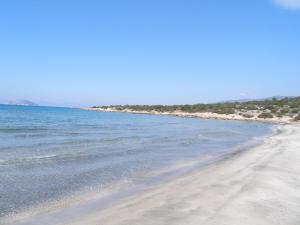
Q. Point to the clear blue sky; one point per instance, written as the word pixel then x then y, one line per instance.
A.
pixel 83 52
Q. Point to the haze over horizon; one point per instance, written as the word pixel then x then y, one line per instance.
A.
pixel 83 53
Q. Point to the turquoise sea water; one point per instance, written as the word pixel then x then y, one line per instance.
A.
pixel 47 153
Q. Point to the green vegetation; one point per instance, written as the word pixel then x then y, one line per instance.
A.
pixel 295 110
pixel 265 108
pixel 284 111
pixel 265 115
pixel 246 115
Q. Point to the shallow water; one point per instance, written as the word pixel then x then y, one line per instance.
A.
pixel 47 153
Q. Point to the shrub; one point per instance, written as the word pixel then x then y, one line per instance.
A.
pixel 265 115
pixel 274 110
pixel 295 110
pixel 247 115
pixel 284 111
pixel 224 111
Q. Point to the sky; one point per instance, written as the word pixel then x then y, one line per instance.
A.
pixel 84 52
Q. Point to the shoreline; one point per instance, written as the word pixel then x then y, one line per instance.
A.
pixel 256 186
pixel 259 186
pixel 120 190
pixel 200 115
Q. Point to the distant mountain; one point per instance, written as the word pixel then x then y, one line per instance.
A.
pixel 22 102
pixel 260 99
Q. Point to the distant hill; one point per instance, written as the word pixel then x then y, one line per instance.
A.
pixel 260 99
pixel 22 102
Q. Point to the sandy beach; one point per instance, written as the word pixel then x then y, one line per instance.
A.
pixel 258 186
pixel 201 115
pixel 261 186
pixel 150 112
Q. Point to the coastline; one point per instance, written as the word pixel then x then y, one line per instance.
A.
pixel 260 186
pixel 256 186
pixel 201 115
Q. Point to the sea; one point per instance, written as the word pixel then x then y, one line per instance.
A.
pixel 48 154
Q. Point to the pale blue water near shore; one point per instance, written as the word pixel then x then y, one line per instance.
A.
pixel 48 153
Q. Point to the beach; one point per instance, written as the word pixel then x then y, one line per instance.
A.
pixel 150 112
pixel 201 115
pixel 260 186
pixel 257 186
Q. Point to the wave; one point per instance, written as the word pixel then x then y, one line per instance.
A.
pixel 22 130
pixel 219 134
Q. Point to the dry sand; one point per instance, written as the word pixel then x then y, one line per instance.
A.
pixel 260 186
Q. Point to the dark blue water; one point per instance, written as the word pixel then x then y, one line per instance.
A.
pixel 47 153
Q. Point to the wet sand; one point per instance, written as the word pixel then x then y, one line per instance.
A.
pixel 259 186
